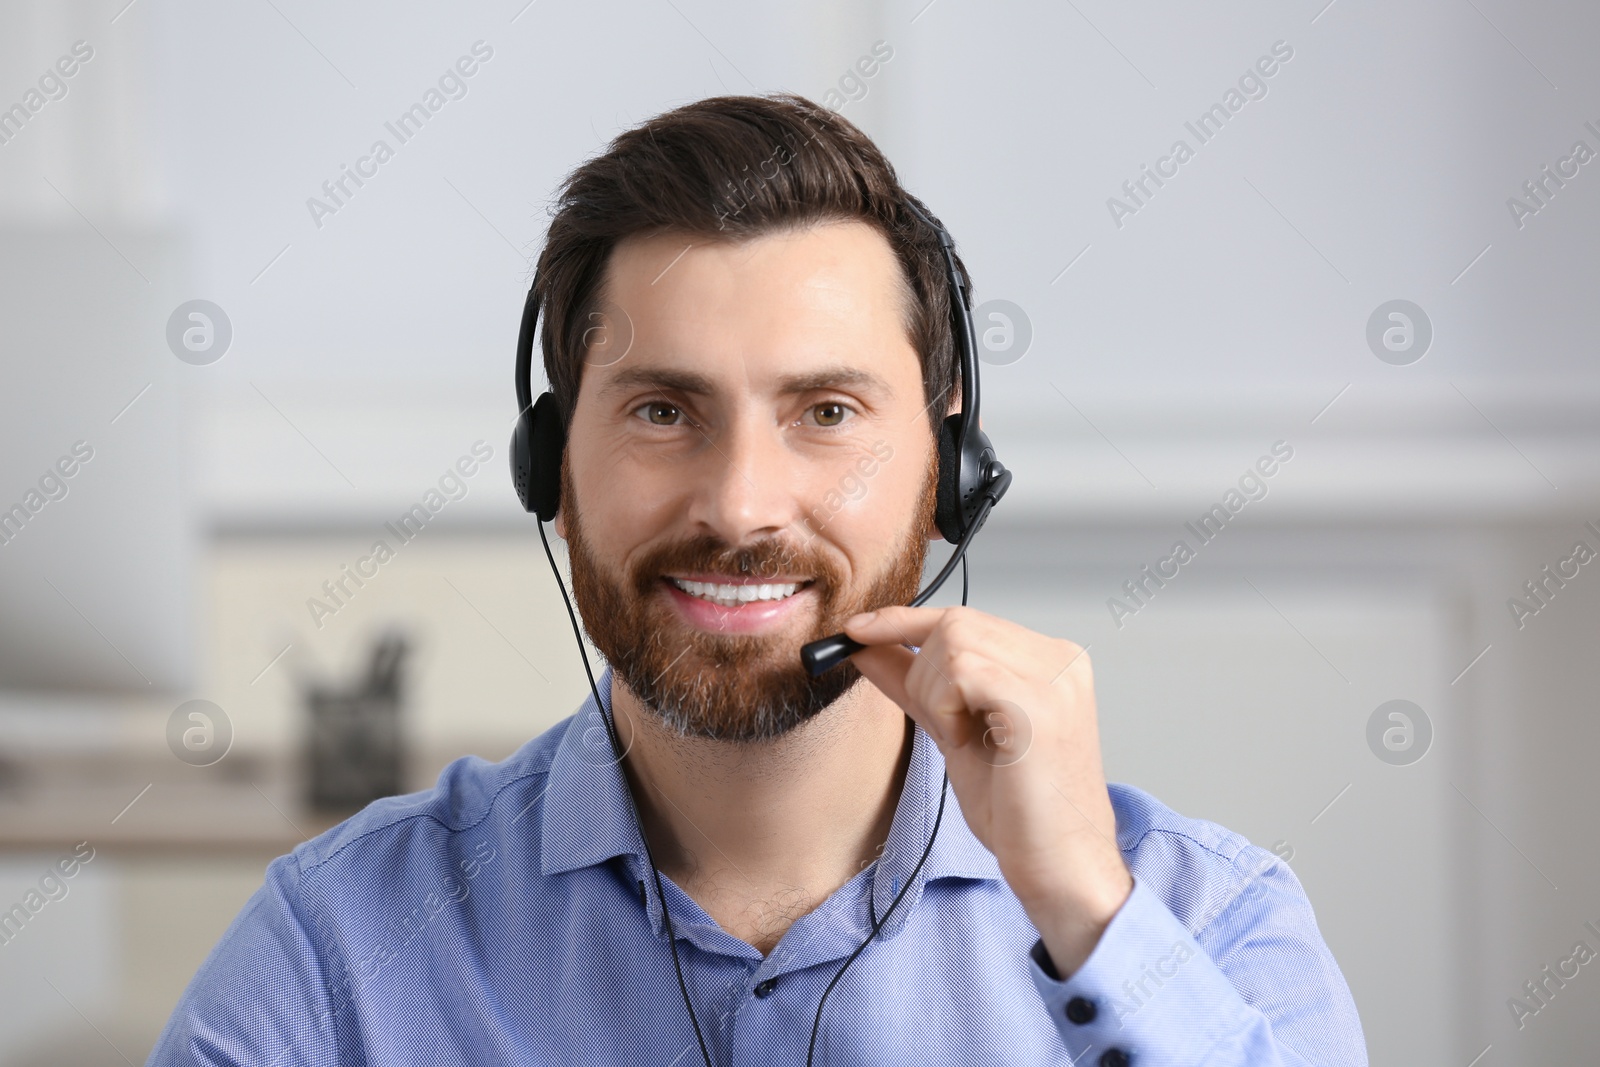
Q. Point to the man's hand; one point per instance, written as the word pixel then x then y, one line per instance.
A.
pixel 1013 713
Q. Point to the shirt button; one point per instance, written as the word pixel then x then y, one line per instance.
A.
pixel 764 989
pixel 1113 1057
pixel 1081 1011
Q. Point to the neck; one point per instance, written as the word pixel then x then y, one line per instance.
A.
pixel 790 819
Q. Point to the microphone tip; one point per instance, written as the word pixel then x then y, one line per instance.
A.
pixel 823 655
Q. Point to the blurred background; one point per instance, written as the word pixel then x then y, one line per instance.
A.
pixel 231 369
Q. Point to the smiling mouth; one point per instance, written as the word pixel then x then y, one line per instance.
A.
pixel 734 594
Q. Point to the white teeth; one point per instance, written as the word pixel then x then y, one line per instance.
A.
pixel 733 595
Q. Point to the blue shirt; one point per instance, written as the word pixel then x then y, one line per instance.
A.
pixel 508 916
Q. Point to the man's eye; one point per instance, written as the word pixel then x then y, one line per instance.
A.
pixel 831 413
pixel 660 413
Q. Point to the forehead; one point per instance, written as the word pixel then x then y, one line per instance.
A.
pixel 826 293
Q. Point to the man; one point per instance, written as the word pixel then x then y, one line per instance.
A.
pixel 748 334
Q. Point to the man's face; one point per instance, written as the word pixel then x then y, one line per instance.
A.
pixel 749 463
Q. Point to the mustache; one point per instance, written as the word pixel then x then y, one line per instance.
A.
pixel 768 559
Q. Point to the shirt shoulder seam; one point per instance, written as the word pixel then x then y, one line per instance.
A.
pixel 1242 879
pixel 488 809
pixel 1228 858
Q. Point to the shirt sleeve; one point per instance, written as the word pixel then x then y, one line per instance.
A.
pixel 261 998
pixel 1256 984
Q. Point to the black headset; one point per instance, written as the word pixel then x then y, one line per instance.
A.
pixel 971 481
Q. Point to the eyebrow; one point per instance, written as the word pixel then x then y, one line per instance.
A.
pixel 683 381
pixel 832 378
pixel 692 382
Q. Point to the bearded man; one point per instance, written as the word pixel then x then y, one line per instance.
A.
pixel 748 336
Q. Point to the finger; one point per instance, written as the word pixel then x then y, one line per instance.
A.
pixel 958 690
pixel 894 625
pixel 887 667
pixel 941 700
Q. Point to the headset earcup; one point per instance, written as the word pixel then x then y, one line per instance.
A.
pixel 947 505
pixel 548 440
pixel 537 444
pixel 522 459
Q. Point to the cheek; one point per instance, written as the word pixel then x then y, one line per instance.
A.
pixel 872 518
pixel 622 504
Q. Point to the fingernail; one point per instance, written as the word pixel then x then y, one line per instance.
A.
pixel 864 618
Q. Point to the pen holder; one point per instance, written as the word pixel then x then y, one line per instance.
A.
pixel 354 748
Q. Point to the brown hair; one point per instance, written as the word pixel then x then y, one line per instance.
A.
pixel 736 167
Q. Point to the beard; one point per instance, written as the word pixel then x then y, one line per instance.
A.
pixel 739 688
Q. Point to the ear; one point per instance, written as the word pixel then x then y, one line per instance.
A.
pixel 560 522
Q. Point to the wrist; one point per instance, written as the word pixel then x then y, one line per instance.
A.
pixel 1071 922
pixel 1094 889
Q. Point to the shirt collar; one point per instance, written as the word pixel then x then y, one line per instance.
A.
pixel 587 818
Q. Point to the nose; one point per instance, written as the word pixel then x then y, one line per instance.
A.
pixel 745 490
